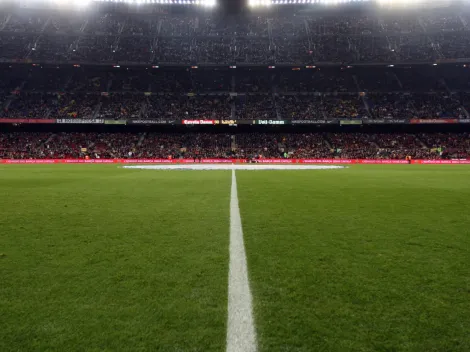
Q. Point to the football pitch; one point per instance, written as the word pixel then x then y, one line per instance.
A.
pixel 367 258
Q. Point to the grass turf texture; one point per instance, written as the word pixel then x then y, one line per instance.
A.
pixel 106 259
pixel 370 258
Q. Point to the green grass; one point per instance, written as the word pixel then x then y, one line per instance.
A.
pixel 106 259
pixel 369 258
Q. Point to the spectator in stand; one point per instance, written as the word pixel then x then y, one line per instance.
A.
pixel 302 107
pixel 252 107
pixel 74 106
pixel 27 145
pixel 189 38
pixel 27 105
pixel 17 145
pixel 120 106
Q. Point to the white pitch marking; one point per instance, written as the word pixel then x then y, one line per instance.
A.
pixel 241 335
pixel 234 167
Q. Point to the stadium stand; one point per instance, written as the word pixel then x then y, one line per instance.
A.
pixel 111 66
pixel 27 145
pixel 329 93
pixel 208 38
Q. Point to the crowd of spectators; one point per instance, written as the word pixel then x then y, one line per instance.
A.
pixel 439 105
pixel 70 145
pixel 353 145
pixel 209 38
pixel 180 107
pixel 255 145
pixel 378 80
pixel 117 106
pixel 29 105
pixel 252 107
pixel 447 145
pixel 416 105
pixel 78 105
pixel 291 50
pixel 319 107
pixel 390 106
pixel 344 106
pixel 115 145
pixel 254 81
pixel 400 106
pixel 380 146
pixel 317 80
pixel 401 145
pixel 121 106
pixel 185 145
pixel 302 107
pixel 308 145
pixel 25 145
pixel 246 94
pixel 211 80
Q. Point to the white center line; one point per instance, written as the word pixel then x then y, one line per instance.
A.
pixel 241 336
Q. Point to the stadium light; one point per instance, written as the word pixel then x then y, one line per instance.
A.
pixel 78 4
pixel 259 3
pixel 385 3
pixel 402 3
pixel 206 3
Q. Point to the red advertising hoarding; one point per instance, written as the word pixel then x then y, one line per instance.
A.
pixel 27 121
pixel 442 162
pixel 199 122
pixel 432 121
pixel 229 161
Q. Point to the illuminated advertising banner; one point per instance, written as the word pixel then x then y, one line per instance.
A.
pixel 219 122
pixel 385 122
pixel 115 122
pixel 199 122
pixel 442 162
pixel 237 122
pixel 327 161
pixel 350 122
pixel 226 122
pixel 272 122
pixel 81 121
pixel 380 161
pixel 151 122
pixel 231 161
pixel 146 161
pixel 432 121
pixel 203 161
pixel 27 121
pixel 30 161
pixel 86 161
pixel 276 161
pixel 314 122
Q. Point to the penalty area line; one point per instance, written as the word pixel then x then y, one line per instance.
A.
pixel 241 336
